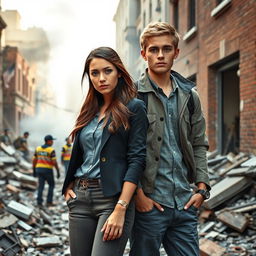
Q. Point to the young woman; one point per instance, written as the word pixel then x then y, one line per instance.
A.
pixel 108 158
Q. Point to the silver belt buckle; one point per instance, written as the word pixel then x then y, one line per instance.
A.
pixel 84 183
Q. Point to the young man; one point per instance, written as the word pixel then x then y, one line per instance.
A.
pixel 43 162
pixel 166 208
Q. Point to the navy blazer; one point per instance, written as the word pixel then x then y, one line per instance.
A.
pixel 122 154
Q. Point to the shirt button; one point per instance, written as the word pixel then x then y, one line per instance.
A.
pixel 161 119
pixel 103 159
pixel 157 159
pixel 159 138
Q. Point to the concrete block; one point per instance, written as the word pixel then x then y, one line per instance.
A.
pixel 24 225
pixel 19 210
pixel 25 178
pixel 50 241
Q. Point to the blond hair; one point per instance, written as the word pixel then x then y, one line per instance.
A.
pixel 158 29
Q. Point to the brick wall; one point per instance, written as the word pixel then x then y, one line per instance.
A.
pixel 232 33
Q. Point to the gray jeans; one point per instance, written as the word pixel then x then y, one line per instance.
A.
pixel 87 215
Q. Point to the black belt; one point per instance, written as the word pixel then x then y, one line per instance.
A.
pixel 87 183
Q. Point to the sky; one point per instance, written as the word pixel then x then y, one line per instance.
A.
pixel 74 28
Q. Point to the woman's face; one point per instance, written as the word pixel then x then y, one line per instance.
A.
pixel 104 76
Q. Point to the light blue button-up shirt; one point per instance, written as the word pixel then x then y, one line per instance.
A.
pixel 172 188
pixel 90 141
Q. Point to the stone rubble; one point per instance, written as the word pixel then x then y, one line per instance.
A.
pixel 227 221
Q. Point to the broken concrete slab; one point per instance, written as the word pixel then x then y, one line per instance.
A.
pixel 24 225
pixel 225 189
pixel 250 162
pixel 50 241
pixel 45 217
pixel 19 210
pixel 25 178
pixel 4 158
pixel 7 149
pixel 7 219
pixel 25 164
pixel 238 171
pixel 233 220
pixel 210 248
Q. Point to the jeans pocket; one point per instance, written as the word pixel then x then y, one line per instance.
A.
pixel 70 200
pixel 147 212
pixel 193 208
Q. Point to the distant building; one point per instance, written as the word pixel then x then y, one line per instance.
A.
pixel 18 89
pixel 131 17
pixel 217 52
pixel 32 52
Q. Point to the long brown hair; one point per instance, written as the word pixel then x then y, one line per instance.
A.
pixel 124 92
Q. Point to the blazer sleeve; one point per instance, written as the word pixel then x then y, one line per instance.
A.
pixel 136 151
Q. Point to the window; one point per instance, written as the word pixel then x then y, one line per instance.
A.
pixel 176 14
pixel 192 14
pixel 150 10
pixel 158 7
pixel 144 19
pixel 138 8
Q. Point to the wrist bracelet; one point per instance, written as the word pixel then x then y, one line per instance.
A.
pixel 123 203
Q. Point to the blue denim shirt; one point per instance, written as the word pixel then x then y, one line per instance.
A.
pixel 172 188
pixel 90 141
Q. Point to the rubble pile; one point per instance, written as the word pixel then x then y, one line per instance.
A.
pixel 227 221
pixel 26 229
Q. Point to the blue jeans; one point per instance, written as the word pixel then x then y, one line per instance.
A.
pixel 66 163
pixel 176 230
pixel 87 214
pixel 42 177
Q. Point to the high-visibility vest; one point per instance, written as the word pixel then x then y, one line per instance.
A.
pixel 44 157
pixel 66 152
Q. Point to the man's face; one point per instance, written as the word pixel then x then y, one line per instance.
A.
pixel 160 53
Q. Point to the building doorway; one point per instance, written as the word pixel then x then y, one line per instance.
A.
pixel 229 109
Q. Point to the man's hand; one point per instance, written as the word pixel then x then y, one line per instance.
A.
pixel 196 200
pixel 144 203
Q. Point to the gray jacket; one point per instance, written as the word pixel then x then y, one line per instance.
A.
pixel 194 143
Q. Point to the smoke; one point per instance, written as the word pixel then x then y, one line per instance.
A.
pixel 50 120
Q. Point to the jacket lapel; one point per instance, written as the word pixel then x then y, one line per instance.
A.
pixel 105 135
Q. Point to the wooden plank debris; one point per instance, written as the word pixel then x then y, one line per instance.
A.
pixel 233 220
pixel 210 248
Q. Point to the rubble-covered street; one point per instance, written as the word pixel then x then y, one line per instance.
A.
pixel 227 221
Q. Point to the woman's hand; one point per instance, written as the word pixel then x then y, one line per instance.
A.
pixel 69 193
pixel 113 227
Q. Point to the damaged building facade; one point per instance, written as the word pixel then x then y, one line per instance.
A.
pixel 217 52
pixel 25 53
